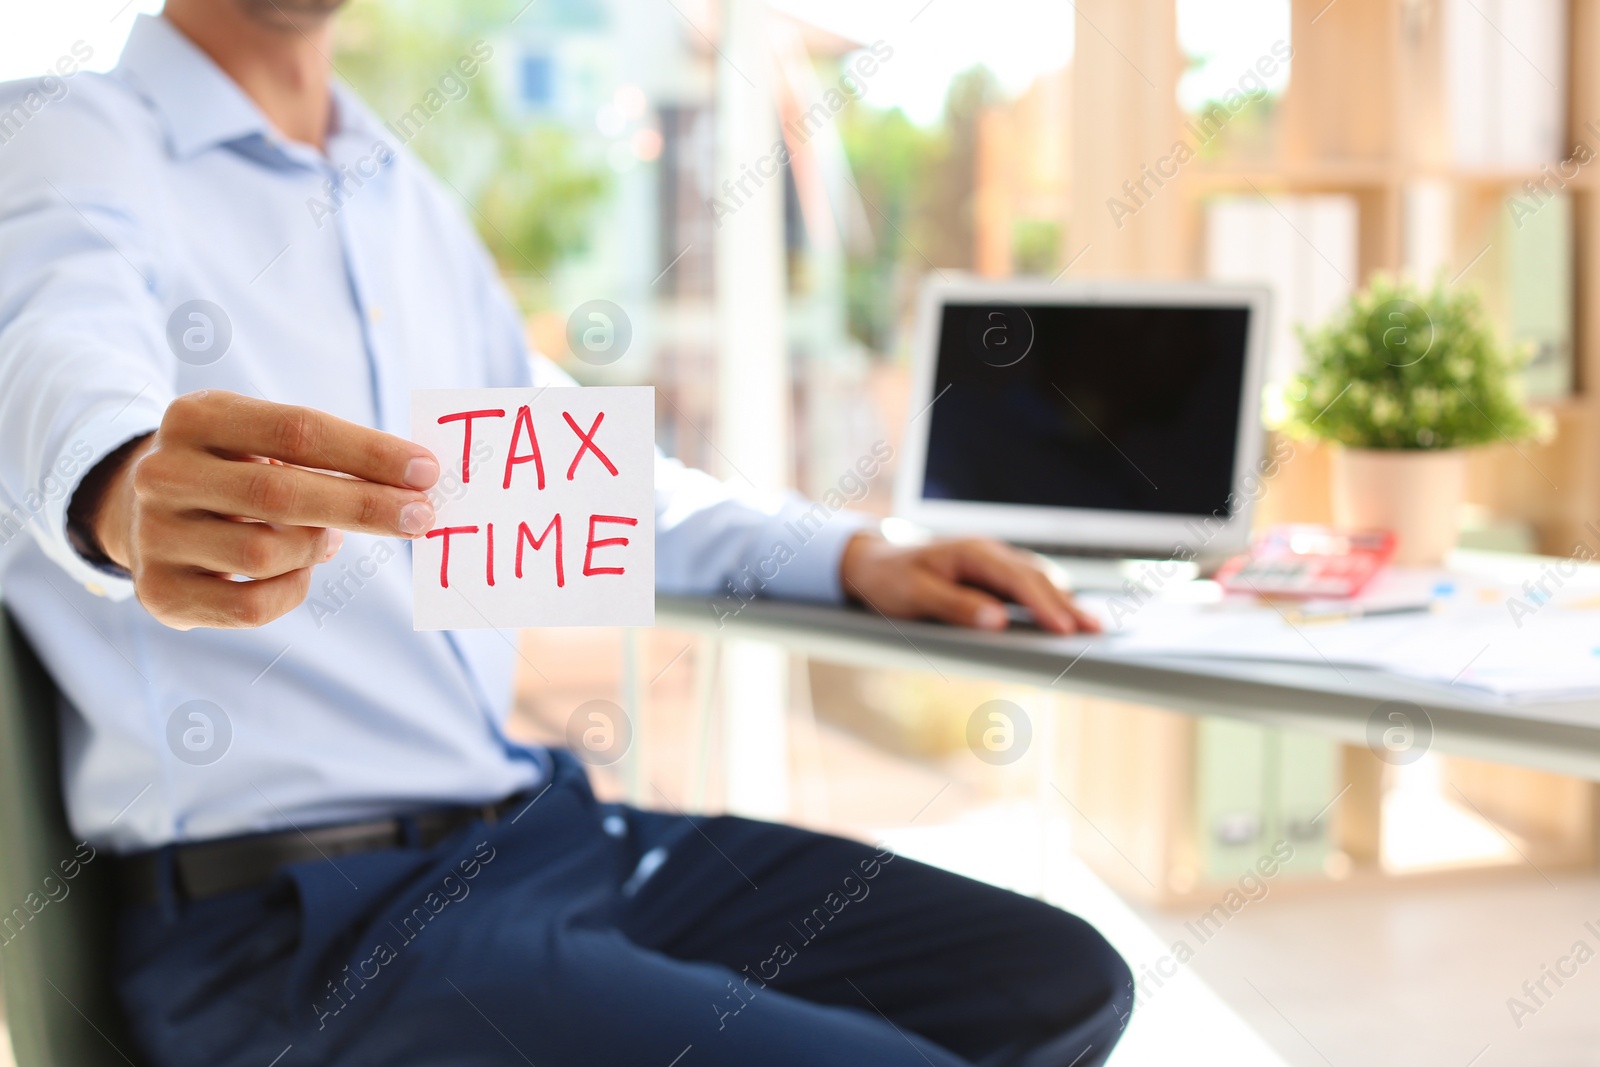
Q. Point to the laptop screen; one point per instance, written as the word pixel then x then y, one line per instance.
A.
pixel 1121 408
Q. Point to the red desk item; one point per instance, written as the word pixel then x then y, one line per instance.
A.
pixel 1309 561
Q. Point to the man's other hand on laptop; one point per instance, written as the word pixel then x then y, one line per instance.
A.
pixel 234 487
pixel 961 582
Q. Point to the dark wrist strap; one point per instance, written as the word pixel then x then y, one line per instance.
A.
pixel 84 508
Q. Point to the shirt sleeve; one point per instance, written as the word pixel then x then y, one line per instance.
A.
pixel 83 362
pixel 716 538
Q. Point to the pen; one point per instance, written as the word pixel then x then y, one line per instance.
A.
pixel 1351 614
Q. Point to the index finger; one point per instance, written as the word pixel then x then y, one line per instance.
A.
pixel 236 426
pixel 1017 576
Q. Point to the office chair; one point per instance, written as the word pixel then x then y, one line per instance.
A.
pixel 56 959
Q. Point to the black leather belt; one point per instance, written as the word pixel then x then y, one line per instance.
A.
pixel 229 865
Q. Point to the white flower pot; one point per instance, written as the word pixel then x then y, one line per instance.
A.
pixel 1415 493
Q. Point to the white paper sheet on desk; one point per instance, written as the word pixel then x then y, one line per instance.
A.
pixel 1255 632
pixel 1553 655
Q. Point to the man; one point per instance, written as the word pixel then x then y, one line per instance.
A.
pixel 330 850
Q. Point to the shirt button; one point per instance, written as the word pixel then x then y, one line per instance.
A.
pixel 95 588
pixel 375 313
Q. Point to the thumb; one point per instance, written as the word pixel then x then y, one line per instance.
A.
pixel 962 605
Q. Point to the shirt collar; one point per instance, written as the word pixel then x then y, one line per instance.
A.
pixel 200 105
pixel 352 117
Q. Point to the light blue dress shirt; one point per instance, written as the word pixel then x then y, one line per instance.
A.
pixel 122 198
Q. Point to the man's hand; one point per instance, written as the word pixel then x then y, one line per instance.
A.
pixel 222 490
pixel 953 581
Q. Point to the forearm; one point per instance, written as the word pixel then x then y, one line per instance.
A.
pixel 714 540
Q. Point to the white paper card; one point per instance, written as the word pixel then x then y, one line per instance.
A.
pixel 545 508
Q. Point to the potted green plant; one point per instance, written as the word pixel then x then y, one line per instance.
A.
pixel 1402 381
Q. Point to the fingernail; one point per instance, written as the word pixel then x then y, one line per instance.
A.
pixel 421 472
pixel 992 617
pixel 416 518
pixel 335 540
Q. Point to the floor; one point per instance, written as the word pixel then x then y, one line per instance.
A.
pixel 1419 972
pixel 1419 975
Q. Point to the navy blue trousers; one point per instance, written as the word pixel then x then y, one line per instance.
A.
pixel 577 934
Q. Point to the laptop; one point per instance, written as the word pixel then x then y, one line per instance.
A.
pixel 1098 423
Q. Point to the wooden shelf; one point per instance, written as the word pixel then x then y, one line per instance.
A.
pixel 1357 175
pixel 1327 175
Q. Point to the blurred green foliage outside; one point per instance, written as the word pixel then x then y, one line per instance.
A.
pixel 526 183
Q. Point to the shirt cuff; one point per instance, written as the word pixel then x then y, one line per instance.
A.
pixel 84 449
pixel 813 539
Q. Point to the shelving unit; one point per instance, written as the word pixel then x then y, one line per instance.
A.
pixel 1376 130
pixel 1365 115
